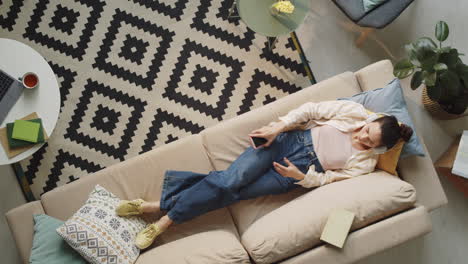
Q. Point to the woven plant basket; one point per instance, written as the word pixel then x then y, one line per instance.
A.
pixel 435 109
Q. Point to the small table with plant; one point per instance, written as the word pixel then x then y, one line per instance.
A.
pixel 271 18
pixel 440 69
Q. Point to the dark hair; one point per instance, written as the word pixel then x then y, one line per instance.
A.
pixel 392 131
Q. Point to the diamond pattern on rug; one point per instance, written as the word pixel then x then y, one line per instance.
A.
pixel 209 24
pixel 78 129
pixel 64 19
pixel 61 169
pixel 9 13
pixel 261 81
pixel 176 10
pixel 135 75
pixel 44 25
pixel 193 53
pixel 133 49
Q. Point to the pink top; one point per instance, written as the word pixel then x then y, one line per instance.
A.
pixel 333 147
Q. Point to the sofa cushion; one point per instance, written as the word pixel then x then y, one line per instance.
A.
pixel 48 246
pixel 227 140
pixel 390 100
pixel 98 234
pixel 377 237
pixel 211 238
pixel 375 75
pixel 297 225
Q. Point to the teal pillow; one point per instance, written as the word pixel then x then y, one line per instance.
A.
pixel 48 247
pixel 390 100
pixel 371 4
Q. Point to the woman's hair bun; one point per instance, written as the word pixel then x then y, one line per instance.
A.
pixel 406 132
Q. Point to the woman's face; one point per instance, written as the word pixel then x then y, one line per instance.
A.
pixel 370 135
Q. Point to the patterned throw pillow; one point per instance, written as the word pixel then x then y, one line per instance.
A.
pixel 98 234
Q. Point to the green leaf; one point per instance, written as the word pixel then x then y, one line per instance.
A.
pixel 434 92
pixel 412 55
pixel 425 41
pixel 450 82
pixel 444 50
pixel 462 71
pixel 459 105
pixel 441 31
pixel 429 78
pixel 450 58
pixel 403 69
pixel 416 80
pixel 425 51
pixel 440 67
pixel 430 60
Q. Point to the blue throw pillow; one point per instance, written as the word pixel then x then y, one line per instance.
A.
pixel 390 100
pixel 48 247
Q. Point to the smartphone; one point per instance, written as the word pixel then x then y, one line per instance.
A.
pixel 257 141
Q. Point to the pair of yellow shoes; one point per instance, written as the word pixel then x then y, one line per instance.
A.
pixel 146 236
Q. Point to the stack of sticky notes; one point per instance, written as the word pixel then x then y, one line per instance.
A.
pixel 337 227
pixel 24 133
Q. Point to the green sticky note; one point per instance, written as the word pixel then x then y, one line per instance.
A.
pixel 26 130
pixel 16 143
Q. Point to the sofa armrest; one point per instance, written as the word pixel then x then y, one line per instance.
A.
pixel 21 224
pixel 420 172
pixel 376 75
pixel 372 239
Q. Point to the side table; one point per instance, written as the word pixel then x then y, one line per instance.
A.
pixel 445 164
pixel 257 16
pixel 16 59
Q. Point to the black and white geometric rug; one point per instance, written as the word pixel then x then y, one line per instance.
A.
pixel 137 74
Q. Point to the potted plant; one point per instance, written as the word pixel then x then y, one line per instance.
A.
pixel 440 69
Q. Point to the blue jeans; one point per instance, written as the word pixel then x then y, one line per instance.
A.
pixel 187 194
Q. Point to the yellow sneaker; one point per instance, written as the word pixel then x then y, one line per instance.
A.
pixel 147 236
pixel 129 208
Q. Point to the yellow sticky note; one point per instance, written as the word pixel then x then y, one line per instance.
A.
pixel 337 227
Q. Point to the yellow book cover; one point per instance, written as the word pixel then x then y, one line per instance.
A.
pixel 337 227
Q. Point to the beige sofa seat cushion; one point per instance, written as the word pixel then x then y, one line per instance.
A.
pixel 297 225
pixel 227 140
pixel 211 238
pixel 20 220
pixel 376 237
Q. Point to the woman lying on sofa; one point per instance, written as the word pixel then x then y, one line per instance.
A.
pixel 313 145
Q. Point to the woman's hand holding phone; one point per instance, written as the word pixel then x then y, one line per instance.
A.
pixel 267 132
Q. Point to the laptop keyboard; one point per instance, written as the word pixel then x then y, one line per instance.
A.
pixel 5 83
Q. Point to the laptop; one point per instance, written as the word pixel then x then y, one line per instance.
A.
pixel 10 90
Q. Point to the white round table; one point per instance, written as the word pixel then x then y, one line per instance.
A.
pixel 16 59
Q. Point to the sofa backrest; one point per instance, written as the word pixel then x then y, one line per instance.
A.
pixel 138 177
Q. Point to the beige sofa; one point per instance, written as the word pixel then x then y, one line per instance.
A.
pixel 275 228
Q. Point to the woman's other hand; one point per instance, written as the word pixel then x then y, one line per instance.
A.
pixel 290 171
pixel 269 132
